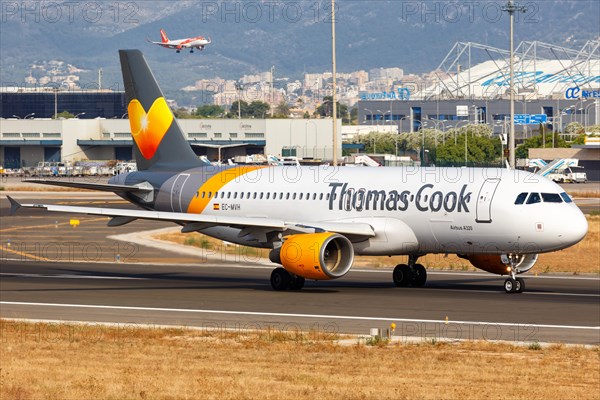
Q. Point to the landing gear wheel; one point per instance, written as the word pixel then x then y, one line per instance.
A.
pixel 510 285
pixel 297 282
pixel 402 275
pixel 520 285
pixel 280 279
pixel 420 276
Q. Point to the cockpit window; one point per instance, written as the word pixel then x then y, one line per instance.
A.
pixel 534 198
pixel 566 197
pixel 551 198
pixel 521 198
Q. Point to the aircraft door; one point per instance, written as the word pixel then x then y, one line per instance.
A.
pixel 176 191
pixel 484 200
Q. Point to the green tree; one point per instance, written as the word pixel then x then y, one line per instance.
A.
pixel 536 142
pixel 183 113
pixel 325 109
pixel 209 111
pixel 574 129
pixel 282 109
pixel 65 114
pixel 480 149
pixel 244 109
pixel 258 109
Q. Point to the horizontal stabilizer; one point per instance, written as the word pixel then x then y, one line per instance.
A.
pixel 105 187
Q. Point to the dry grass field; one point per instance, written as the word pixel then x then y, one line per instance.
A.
pixel 584 257
pixel 74 362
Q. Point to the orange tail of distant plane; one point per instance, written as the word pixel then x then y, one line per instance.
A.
pixel 163 36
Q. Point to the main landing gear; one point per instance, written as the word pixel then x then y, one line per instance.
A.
pixel 411 274
pixel 283 280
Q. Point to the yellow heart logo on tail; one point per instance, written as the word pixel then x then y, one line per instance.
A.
pixel 148 129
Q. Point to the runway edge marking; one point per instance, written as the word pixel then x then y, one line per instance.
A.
pixel 273 314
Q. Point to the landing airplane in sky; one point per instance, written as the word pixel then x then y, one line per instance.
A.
pixel 197 42
pixel 315 219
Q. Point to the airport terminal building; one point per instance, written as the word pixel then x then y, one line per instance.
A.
pixel 462 91
pixel 45 102
pixel 25 142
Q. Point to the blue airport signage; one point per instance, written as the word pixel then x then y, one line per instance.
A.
pixel 577 93
pixel 400 94
pixel 530 119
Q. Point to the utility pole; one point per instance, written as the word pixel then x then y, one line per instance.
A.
pixel 334 85
pixel 239 88
pixel 272 92
pixel 512 8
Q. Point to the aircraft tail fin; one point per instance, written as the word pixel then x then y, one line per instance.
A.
pixel 158 141
pixel 163 36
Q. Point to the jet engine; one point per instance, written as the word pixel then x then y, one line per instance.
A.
pixel 498 264
pixel 317 256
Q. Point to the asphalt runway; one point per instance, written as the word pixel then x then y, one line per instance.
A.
pixel 158 288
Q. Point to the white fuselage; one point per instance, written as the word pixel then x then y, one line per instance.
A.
pixel 412 210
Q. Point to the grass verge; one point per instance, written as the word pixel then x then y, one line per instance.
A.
pixel 68 362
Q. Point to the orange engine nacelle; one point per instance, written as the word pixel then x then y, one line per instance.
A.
pixel 495 264
pixel 317 256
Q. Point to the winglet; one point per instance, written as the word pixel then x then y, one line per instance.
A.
pixel 14 205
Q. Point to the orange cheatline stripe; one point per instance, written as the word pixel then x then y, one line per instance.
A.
pixel 215 183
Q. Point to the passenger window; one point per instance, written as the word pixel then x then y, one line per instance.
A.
pixel 294 196
pixel 241 195
pixel 228 195
pixel 261 195
pixel 280 195
pixel 521 198
pixel 301 196
pixel 314 196
pixel 566 197
pixel 321 196
pixel 287 196
pixel 254 195
pixel 328 195
pixel 209 195
pixel 268 195
pixel 534 198
pixel 551 198
pixel 235 195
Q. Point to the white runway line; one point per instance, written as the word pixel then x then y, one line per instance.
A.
pixel 291 315
pixel 67 276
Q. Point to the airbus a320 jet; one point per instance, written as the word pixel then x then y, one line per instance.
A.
pixel 198 42
pixel 315 220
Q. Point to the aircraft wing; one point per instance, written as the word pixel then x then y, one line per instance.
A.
pixel 194 222
pixel 106 187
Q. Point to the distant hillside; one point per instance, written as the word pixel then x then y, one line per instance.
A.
pixel 253 36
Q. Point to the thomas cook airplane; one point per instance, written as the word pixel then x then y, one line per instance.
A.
pixel 316 219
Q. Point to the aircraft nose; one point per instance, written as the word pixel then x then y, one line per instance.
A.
pixel 575 227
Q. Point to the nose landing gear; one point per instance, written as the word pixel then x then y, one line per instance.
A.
pixel 514 284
